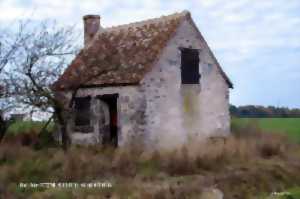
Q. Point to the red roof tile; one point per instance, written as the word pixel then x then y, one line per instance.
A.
pixel 121 54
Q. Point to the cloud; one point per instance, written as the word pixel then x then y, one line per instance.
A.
pixel 245 35
pixel 10 10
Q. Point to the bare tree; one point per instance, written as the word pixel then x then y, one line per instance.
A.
pixel 41 57
pixel 10 41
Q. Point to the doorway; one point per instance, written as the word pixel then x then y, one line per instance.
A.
pixel 108 121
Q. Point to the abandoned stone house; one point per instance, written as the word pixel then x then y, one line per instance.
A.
pixel 156 79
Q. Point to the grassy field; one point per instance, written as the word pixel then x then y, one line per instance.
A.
pixel 241 168
pixel 252 165
pixel 293 193
pixel 27 126
pixel 288 126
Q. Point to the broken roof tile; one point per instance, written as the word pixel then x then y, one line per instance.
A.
pixel 121 54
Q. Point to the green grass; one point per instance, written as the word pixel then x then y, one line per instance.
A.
pixel 26 126
pixel 293 193
pixel 288 126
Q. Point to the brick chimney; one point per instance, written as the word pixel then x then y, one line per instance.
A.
pixel 91 26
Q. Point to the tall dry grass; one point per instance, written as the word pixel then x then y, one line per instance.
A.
pixel 239 165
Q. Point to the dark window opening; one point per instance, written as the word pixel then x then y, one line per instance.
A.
pixel 110 133
pixel 190 66
pixel 82 111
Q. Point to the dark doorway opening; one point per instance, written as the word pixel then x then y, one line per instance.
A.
pixel 109 119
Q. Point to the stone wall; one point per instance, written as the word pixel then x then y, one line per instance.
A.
pixel 162 110
pixel 131 108
pixel 176 113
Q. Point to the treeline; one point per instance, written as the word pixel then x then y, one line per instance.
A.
pixel 262 111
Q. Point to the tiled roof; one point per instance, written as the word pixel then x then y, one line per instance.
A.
pixel 121 54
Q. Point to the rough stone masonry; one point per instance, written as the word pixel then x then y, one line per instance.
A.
pixel 162 84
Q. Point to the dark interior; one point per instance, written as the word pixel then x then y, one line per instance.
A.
pixel 111 100
pixel 82 111
pixel 190 66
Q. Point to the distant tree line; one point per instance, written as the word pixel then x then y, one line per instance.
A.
pixel 263 112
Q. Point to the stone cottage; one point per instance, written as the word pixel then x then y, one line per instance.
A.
pixel 155 79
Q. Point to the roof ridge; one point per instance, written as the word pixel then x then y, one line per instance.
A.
pixel 127 55
pixel 112 29
pixel 184 13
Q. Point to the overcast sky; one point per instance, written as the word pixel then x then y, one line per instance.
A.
pixel 257 42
